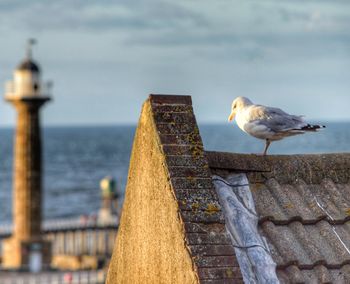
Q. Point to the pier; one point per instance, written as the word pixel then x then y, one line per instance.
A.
pixel 80 248
pixel 74 237
pixel 56 277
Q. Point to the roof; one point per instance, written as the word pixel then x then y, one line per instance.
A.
pixel 303 204
pixel 172 225
pixel 30 65
pixel 199 207
pixel 175 221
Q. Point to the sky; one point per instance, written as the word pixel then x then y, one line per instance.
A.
pixel 106 56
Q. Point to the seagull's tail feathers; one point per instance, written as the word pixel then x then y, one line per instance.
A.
pixel 304 128
pixel 312 127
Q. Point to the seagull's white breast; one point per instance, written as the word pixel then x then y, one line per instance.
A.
pixel 242 118
pixel 254 128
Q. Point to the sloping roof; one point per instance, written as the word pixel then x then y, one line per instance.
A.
pixel 199 207
pixel 303 203
pixel 172 225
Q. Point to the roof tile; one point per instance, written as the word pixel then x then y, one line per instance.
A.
pixel 303 204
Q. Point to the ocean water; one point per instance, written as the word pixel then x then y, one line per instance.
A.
pixel 77 158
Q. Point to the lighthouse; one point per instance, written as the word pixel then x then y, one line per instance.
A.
pixel 27 92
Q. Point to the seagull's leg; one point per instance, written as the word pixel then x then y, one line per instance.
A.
pixel 268 142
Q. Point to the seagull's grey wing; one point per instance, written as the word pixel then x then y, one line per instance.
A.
pixel 276 119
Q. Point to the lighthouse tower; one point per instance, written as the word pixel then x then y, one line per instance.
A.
pixel 27 93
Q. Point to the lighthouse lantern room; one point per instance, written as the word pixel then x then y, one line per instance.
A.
pixel 27 82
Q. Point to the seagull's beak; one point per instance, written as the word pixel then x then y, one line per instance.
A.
pixel 232 116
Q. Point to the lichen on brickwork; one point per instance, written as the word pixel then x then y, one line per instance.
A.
pixel 195 206
pixel 212 208
pixel 229 272
pixel 197 152
pixel 191 179
pixel 194 137
pixel 347 211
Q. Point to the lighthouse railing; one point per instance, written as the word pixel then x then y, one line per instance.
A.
pixel 27 89
pixel 9 88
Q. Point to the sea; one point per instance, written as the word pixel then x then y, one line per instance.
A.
pixel 77 158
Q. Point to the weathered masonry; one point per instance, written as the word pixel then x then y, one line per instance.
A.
pixel 174 229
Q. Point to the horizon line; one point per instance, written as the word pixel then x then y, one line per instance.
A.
pixel 121 124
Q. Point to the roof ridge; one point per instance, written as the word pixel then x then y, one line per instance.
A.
pixel 314 265
pixel 303 221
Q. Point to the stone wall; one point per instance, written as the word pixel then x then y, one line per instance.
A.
pixel 172 229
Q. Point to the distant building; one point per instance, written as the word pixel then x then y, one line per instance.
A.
pixel 25 248
pixel 108 213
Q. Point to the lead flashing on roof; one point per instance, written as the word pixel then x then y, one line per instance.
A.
pixel 251 248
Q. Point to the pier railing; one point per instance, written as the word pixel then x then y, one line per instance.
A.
pixel 75 236
pixel 55 277
pixel 95 241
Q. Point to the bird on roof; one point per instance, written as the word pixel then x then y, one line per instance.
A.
pixel 268 123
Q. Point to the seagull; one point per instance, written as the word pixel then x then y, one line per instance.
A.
pixel 268 123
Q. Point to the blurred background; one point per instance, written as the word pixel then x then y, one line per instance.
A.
pixel 105 57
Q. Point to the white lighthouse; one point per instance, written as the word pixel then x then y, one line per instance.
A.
pixel 26 79
pixel 26 249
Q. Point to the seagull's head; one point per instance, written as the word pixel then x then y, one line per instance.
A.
pixel 238 104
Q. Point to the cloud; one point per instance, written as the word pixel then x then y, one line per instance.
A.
pixel 319 18
pixel 98 16
pixel 253 48
pixel 305 2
